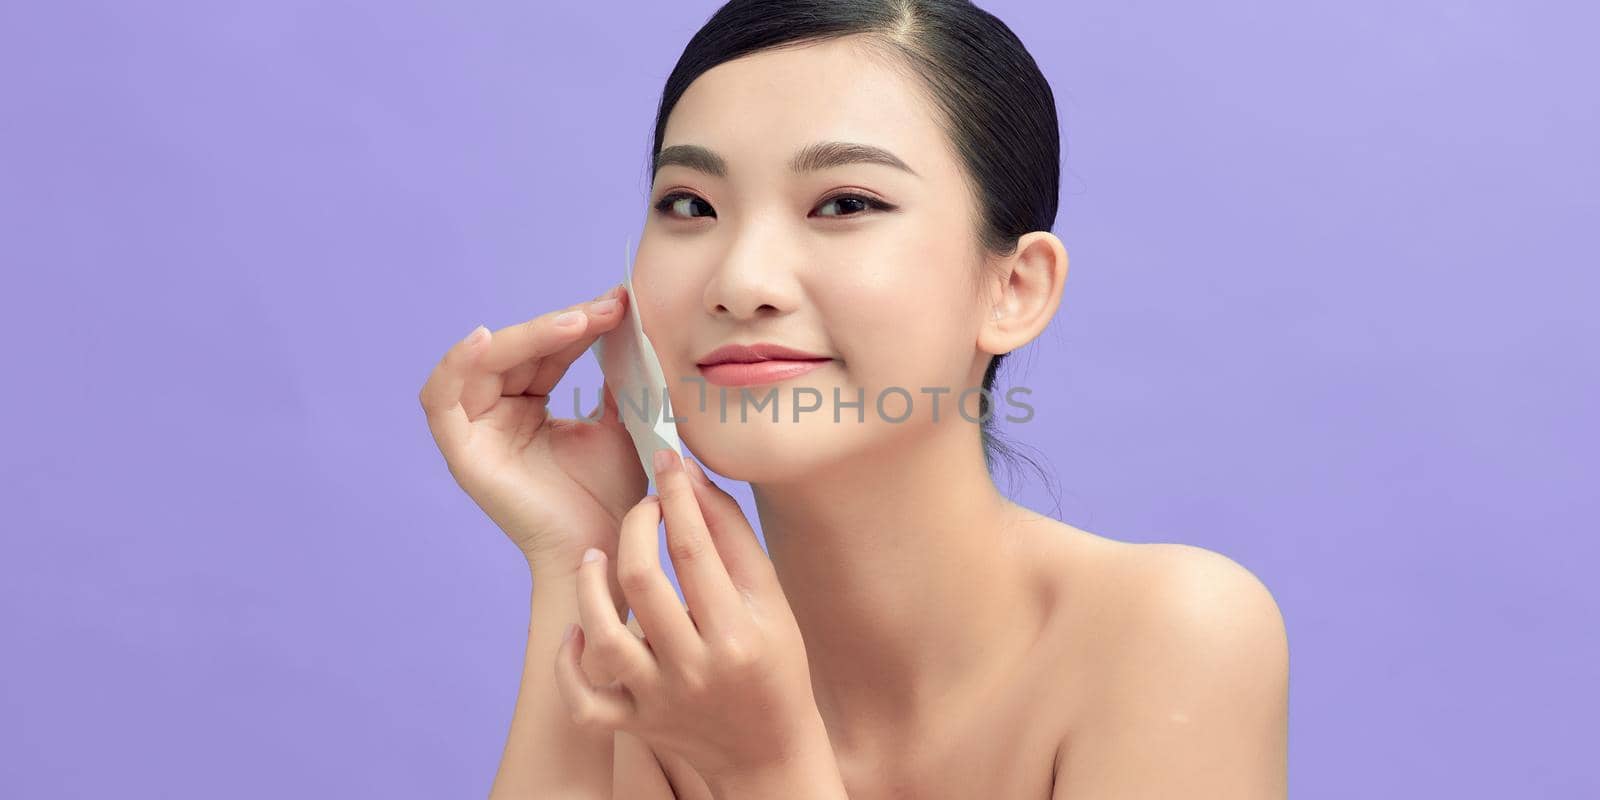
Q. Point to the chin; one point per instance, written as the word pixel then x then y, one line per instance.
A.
pixel 762 451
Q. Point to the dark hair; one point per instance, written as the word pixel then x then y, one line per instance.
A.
pixel 995 105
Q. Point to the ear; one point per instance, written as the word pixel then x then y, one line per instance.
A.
pixel 1024 292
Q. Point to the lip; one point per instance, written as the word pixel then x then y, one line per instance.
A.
pixel 732 373
pixel 760 351
pixel 763 362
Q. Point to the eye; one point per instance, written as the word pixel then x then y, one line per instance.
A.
pixel 856 201
pixel 852 205
pixel 667 202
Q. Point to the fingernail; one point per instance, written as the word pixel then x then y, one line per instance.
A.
pixel 477 335
pixel 592 554
pixel 694 469
pixel 569 318
pixel 609 292
pixel 664 459
pixel 602 306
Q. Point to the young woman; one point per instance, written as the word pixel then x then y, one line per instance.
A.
pixel 863 190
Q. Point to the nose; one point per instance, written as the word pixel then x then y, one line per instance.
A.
pixel 753 281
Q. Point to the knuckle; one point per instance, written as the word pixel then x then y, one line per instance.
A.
pixel 691 684
pixel 613 644
pixel 686 548
pixel 606 644
pixel 544 320
pixel 673 490
pixel 634 579
pixel 736 652
pixel 427 398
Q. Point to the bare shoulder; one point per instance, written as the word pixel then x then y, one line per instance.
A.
pixel 1175 667
pixel 1157 605
pixel 1196 598
pixel 1131 615
pixel 1133 587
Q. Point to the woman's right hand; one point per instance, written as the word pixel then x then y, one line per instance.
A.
pixel 555 486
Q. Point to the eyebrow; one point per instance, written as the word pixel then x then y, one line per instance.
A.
pixel 812 157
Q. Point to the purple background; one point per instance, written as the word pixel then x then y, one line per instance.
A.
pixel 1329 314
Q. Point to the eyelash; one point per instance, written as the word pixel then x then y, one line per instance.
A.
pixel 665 203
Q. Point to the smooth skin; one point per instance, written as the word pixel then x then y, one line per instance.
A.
pixel 556 487
pixel 723 681
pixel 958 645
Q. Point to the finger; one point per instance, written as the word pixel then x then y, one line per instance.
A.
pixel 441 393
pixel 605 315
pixel 564 331
pixel 521 345
pixel 747 561
pixel 551 343
pixel 707 588
pixel 663 618
pixel 516 380
pixel 616 648
pixel 608 707
pixel 523 378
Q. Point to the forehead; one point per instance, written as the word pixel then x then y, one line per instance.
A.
pixel 757 110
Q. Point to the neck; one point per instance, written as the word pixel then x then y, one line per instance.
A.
pixel 906 579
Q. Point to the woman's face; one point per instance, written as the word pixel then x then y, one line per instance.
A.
pixel 805 259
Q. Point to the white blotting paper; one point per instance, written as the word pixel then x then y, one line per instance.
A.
pixel 633 372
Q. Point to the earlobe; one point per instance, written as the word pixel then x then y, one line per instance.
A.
pixel 995 337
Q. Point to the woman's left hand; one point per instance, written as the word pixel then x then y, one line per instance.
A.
pixel 724 683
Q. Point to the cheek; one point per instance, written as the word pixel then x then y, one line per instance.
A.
pixel 907 324
pixel 664 293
